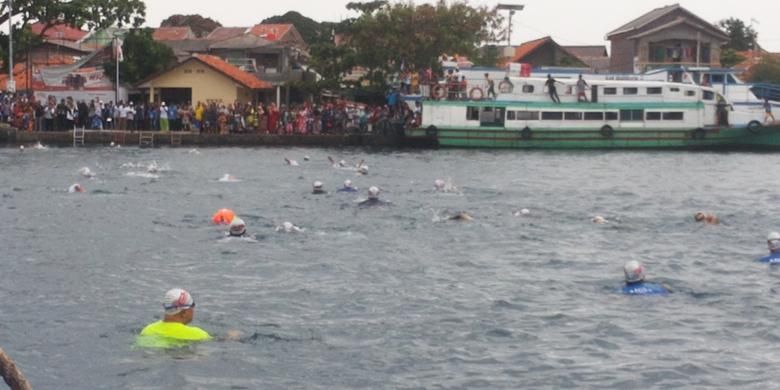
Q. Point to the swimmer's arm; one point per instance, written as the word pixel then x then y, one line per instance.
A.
pixel 231 335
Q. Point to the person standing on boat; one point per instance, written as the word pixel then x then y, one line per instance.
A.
pixel 550 84
pixel 581 86
pixel 768 112
pixel 491 91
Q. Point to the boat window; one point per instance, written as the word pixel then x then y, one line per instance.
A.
pixel 594 116
pixel 673 116
pixel 631 115
pixel 528 115
pixel 653 116
pixel 732 80
pixel 655 91
pixel 472 113
pixel 610 91
pixel 528 88
pixel 572 116
pixel 708 95
pixel 611 116
pixel 690 93
pixel 630 91
pixel 674 89
pixel 510 115
pixel 552 116
pixel 716 79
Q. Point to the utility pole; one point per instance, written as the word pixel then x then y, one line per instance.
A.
pixel 512 8
pixel 11 81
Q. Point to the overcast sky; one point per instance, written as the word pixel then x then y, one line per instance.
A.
pixel 568 22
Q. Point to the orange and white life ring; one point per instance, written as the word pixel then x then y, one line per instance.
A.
pixel 439 92
pixel 476 93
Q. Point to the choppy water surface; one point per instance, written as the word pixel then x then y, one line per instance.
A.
pixel 391 297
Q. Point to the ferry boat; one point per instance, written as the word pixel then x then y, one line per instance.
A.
pixel 616 114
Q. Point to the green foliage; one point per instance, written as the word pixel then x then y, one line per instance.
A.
pixel 366 8
pixel 741 37
pixel 384 36
pixel 143 57
pixel 730 57
pixel 312 32
pixel 200 26
pixel 488 55
pixel 766 71
pixel 92 14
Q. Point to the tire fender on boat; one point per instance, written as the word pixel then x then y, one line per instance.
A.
pixel 607 131
pixel 505 87
pixel 754 127
pixel 526 133
pixel 438 92
pixel 431 131
pixel 476 93
pixel 698 133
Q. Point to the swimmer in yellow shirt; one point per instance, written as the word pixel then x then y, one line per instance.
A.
pixel 172 330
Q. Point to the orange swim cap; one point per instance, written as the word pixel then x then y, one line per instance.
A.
pixel 223 217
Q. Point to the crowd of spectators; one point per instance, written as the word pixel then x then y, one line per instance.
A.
pixel 333 117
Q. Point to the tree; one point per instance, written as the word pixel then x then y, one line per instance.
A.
pixel 143 56
pixel 386 36
pixel 730 57
pixel 200 26
pixel 741 37
pixel 766 71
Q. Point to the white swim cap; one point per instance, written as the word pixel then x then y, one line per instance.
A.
pixel 439 184
pixel 21 147
pixel 347 183
pixel 288 226
pixel 317 185
pixel 176 300
pixel 237 227
pixel 363 169
pixel 76 188
pixel 773 240
pixel 525 211
pixel 599 220
pixel 373 192
pixel 635 271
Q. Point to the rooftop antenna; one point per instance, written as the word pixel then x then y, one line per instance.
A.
pixel 512 8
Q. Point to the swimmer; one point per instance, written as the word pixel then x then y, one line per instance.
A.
pixel 444 186
pixel 227 178
pixel 291 163
pixel 599 220
pixel 521 213
pixel 707 218
pixel 112 144
pixel 288 227
pixel 86 172
pixel 317 188
pixel 773 242
pixel 306 158
pixel 223 217
pixel 362 168
pixel 373 198
pixel 21 148
pixel 636 284
pixel 439 184
pixel 348 187
pixel 340 164
pixel 39 146
pixel 461 216
pixel 76 188
pixel 237 227
pixel 193 151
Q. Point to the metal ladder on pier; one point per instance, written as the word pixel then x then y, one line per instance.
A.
pixel 175 139
pixel 79 134
pixel 146 138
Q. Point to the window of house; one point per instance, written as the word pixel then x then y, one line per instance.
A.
pixel 528 115
pixel 528 88
pixel 187 70
pixel 594 116
pixel 611 116
pixel 653 116
pixel 655 91
pixel 705 54
pixel 200 71
pixel 630 91
pixel 552 116
pixel 673 116
pixel 572 116
pixel 472 113
pixel 631 115
pixel 610 91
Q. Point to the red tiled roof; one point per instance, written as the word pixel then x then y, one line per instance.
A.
pixel 753 58
pixel 173 33
pixel 233 72
pixel 528 48
pixel 59 31
pixel 222 33
pixel 271 32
